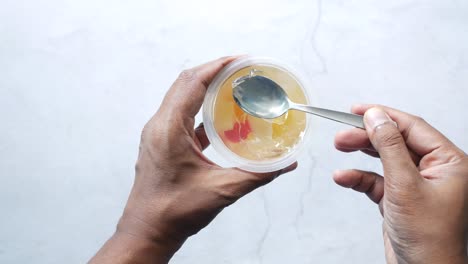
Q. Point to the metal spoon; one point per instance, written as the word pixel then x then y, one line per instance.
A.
pixel 261 97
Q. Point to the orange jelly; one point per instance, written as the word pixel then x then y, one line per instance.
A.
pixel 255 138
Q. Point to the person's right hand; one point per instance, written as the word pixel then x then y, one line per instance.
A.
pixel 423 195
pixel 177 190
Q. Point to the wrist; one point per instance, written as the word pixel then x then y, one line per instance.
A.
pixel 133 227
pixel 125 248
pixel 136 242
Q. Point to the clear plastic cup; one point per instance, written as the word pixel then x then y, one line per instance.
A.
pixel 251 143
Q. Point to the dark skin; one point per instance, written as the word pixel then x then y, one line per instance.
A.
pixel 424 194
pixel 178 191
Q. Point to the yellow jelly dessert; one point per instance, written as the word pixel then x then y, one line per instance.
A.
pixel 255 138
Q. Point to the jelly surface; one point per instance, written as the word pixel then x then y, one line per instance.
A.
pixel 255 138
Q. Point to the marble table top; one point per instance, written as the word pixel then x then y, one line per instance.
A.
pixel 79 79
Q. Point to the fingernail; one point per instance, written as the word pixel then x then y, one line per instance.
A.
pixel 338 172
pixel 376 117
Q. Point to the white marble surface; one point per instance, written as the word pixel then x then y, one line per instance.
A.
pixel 78 80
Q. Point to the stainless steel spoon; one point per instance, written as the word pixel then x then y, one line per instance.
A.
pixel 261 97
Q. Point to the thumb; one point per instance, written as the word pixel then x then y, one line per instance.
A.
pixel 399 168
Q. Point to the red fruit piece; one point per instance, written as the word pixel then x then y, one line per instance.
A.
pixel 240 131
pixel 233 134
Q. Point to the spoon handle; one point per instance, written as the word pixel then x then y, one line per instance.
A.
pixel 346 118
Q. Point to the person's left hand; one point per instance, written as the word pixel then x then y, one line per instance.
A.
pixel 177 190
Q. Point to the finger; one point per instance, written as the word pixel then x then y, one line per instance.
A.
pixel 420 137
pixel 201 138
pixel 371 153
pixel 383 132
pixel 357 139
pixel 186 95
pixel 353 140
pixel 370 183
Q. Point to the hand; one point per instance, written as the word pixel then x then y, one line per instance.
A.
pixel 424 194
pixel 177 190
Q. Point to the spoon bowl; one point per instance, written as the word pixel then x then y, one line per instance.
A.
pixel 260 97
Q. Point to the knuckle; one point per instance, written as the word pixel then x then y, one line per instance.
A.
pixel 152 136
pixel 139 167
pixel 187 75
pixel 418 120
pixel 156 134
pixel 145 132
pixel 228 193
pixel 229 196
